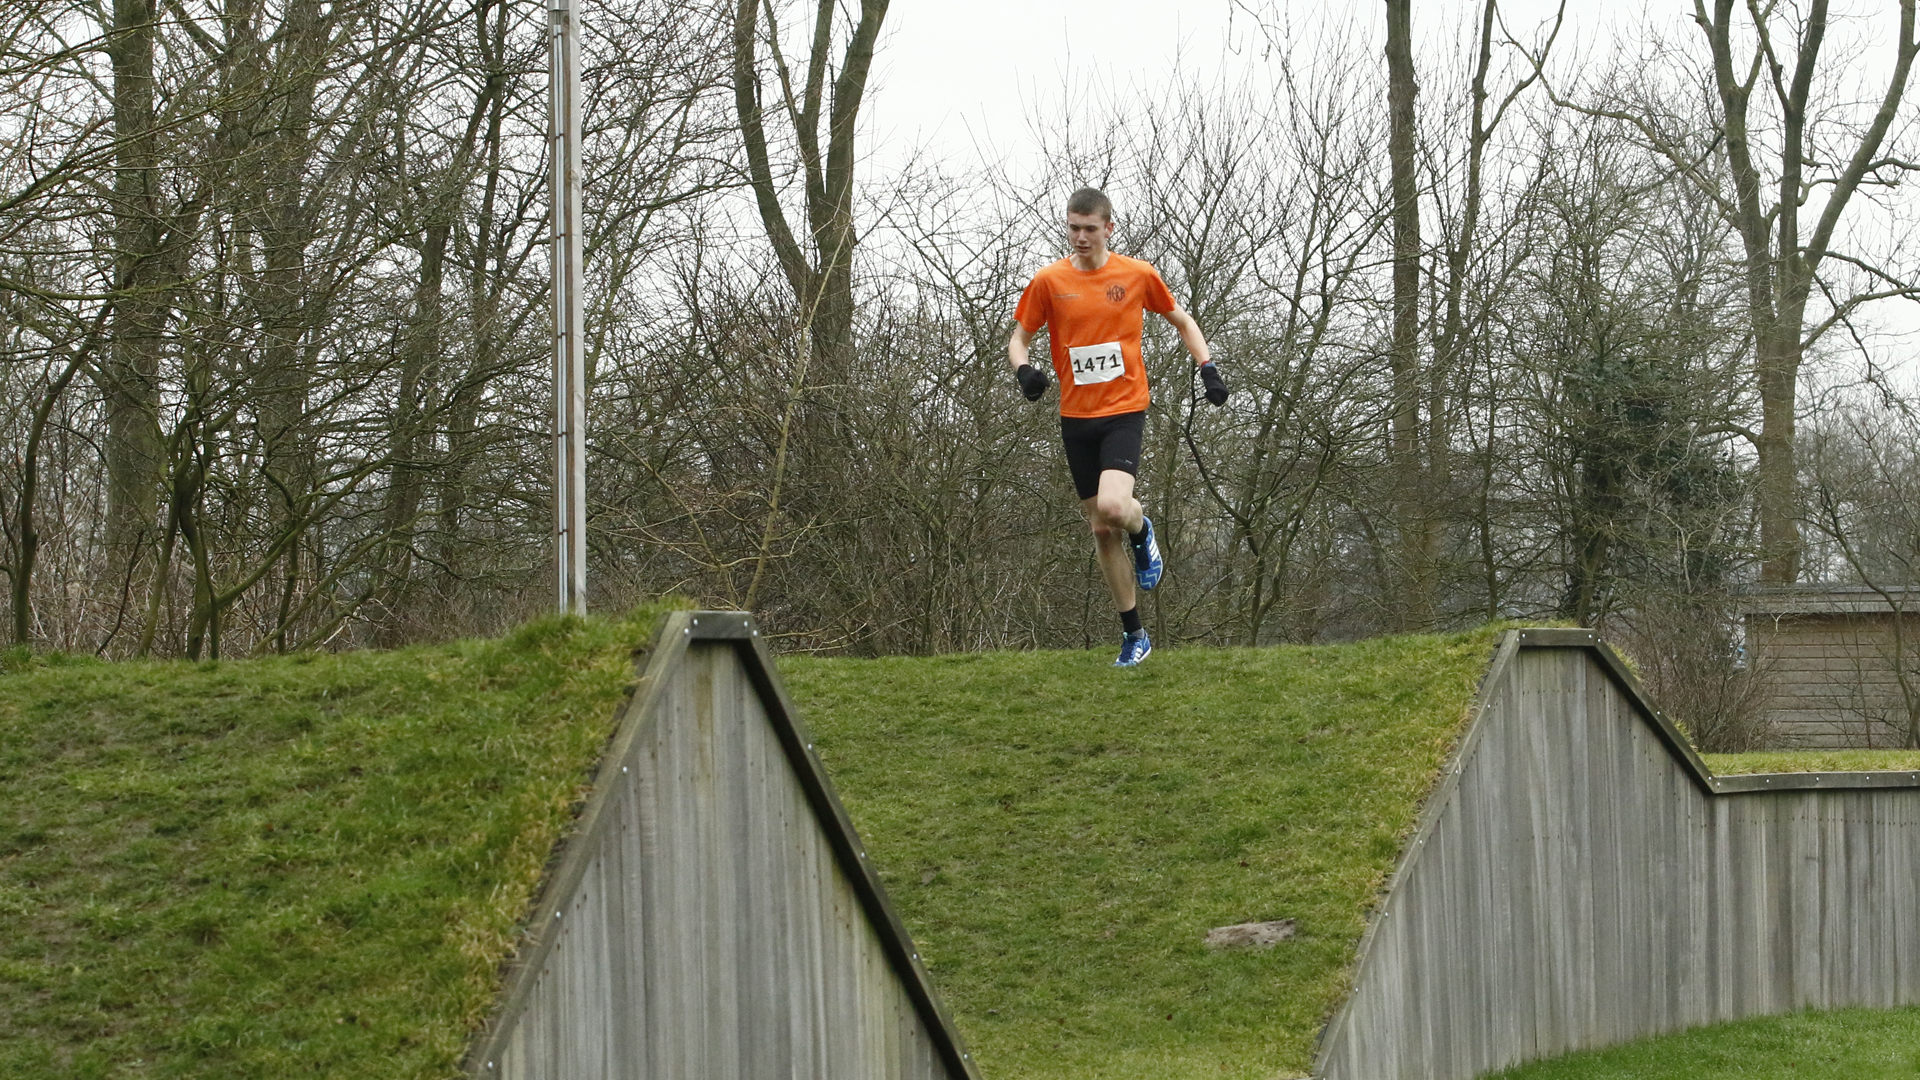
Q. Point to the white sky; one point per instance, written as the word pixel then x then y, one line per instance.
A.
pixel 948 75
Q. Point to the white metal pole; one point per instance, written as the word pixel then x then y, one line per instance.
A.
pixel 569 358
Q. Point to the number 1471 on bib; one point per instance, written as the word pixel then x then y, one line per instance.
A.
pixel 1096 363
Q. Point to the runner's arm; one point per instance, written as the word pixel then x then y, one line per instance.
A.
pixel 1033 381
pixel 1017 346
pixel 1190 334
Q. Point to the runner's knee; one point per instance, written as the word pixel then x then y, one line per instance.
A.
pixel 1110 511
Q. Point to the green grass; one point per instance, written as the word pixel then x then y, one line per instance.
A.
pixel 1847 1044
pixel 1786 761
pixel 314 865
pixel 1059 835
pixel 301 866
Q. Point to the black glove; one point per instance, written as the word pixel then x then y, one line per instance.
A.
pixel 1033 381
pixel 1216 386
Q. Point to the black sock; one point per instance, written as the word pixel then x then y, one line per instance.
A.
pixel 1138 538
pixel 1130 619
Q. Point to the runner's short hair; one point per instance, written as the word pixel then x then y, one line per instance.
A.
pixel 1090 201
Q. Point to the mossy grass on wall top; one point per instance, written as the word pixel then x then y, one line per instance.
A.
pixel 1813 761
pixel 1059 836
pixel 294 866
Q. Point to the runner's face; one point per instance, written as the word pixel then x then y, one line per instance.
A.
pixel 1088 234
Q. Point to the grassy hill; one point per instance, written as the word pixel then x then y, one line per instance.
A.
pixel 300 866
pixel 313 865
pixel 1059 835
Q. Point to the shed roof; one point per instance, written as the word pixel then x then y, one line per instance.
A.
pixel 1828 598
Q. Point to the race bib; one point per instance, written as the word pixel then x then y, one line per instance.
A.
pixel 1096 363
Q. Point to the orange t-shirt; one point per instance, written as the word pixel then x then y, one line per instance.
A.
pixel 1094 319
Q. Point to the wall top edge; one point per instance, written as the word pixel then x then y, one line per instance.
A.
pixel 1550 637
pixel 717 625
pixel 1752 782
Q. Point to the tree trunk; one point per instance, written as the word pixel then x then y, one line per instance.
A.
pixel 286 234
pixel 1413 530
pixel 1777 363
pixel 419 355
pixel 821 272
pixel 486 282
pixel 25 527
pixel 130 377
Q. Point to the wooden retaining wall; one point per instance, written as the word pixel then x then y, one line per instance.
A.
pixel 714 916
pixel 1579 878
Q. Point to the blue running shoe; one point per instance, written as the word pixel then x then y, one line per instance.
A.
pixel 1134 648
pixel 1146 558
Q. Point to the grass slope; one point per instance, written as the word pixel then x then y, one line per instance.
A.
pixel 297 866
pixel 1059 835
pixel 1846 1044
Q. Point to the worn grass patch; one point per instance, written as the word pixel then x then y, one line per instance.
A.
pixel 1059 835
pixel 1846 1044
pixel 1791 761
pixel 299 866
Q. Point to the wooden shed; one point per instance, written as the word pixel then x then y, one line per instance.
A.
pixel 1843 662
pixel 714 915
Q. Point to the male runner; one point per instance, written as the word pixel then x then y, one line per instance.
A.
pixel 1094 304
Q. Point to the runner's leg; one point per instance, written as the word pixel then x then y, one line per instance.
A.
pixel 1102 454
pixel 1113 515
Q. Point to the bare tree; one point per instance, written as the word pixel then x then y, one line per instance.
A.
pixel 1784 152
pixel 1412 514
pixel 146 249
pixel 819 269
pixel 305 237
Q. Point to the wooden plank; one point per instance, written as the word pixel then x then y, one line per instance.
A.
pixel 1872 656
pixel 1523 827
pixel 1872 925
pixel 1561 847
pixel 1876 640
pixel 1483 834
pixel 1698 832
pixel 1612 745
pixel 1647 848
pixel 1828 692
pixel 1901 868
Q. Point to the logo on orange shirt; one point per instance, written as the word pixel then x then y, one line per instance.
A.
pixel 1116 293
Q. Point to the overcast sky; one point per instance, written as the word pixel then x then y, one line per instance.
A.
pixel 949 74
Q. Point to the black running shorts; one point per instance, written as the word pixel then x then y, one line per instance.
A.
pixel 1098 443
